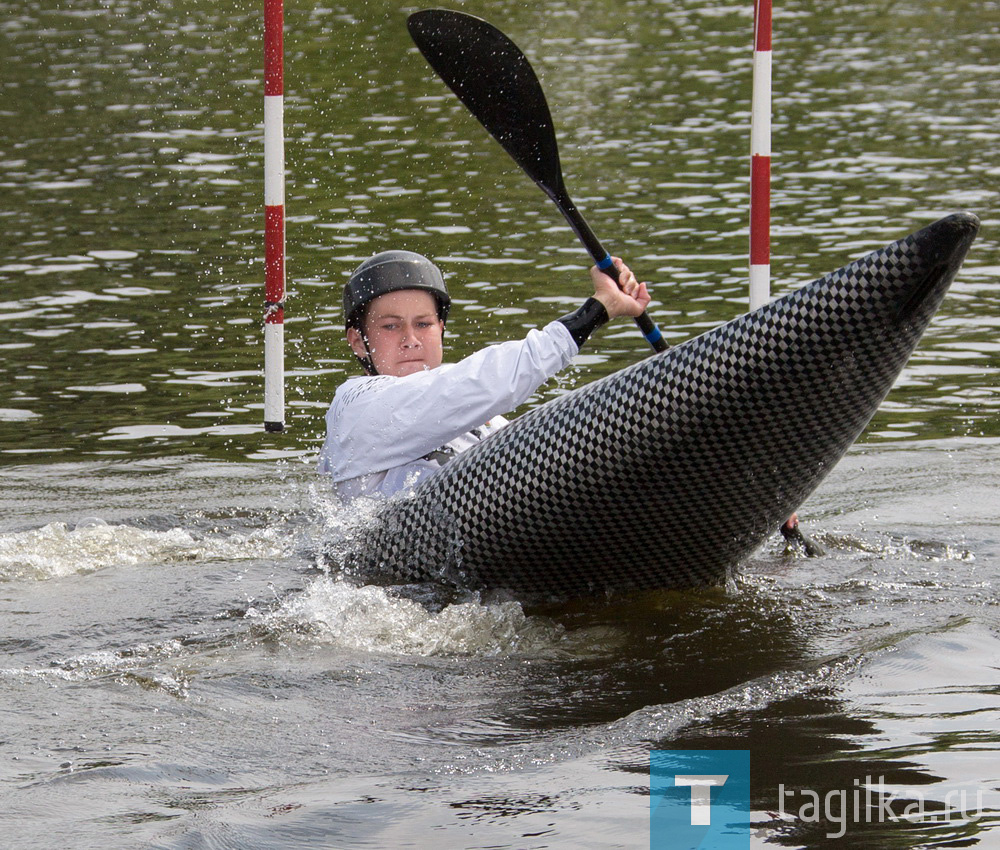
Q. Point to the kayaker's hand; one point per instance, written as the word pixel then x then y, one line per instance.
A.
pixel 628 297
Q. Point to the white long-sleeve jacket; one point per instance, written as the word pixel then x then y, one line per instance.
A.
pixel 381 429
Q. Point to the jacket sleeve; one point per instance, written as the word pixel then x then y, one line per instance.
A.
pixel 379 422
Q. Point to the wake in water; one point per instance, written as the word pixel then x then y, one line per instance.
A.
pixel 58 549
pixel 376 619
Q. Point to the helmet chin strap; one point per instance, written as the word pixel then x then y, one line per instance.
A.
pixel 367 363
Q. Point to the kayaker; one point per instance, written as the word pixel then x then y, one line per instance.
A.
pixel 409 414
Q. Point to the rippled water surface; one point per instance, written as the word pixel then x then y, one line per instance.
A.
pixel 179 669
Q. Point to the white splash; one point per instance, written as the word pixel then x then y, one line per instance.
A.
pixel 373 619
pixel 57 549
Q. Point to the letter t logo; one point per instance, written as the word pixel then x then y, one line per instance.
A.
pixel 701 794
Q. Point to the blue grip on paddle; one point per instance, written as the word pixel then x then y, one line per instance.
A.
pixel 654 336
pixel 606 263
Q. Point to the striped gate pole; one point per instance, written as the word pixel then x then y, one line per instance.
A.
pixel 274 216
pixel 760 159
pixel 760 205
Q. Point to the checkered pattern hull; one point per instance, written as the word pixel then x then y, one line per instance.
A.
pixel 670 472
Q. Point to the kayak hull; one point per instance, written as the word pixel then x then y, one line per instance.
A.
pixel 670 472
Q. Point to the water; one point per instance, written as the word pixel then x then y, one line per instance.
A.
pixel 177 669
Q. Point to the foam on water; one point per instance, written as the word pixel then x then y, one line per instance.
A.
pixel 375 619
pixel 57 549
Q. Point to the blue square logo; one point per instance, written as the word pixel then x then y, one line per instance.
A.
pixel 699 800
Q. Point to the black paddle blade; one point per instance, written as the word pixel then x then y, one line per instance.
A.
pixel 497 84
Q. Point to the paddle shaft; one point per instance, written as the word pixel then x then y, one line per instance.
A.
pixel 603 259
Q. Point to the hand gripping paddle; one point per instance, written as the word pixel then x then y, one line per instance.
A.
pixel 495 81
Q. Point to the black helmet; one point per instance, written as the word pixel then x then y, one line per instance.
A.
pixel 391 271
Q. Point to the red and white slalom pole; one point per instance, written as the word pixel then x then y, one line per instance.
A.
pixel 760 205
pixel 760 159
pixel 274 216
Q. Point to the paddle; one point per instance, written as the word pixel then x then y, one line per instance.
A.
pixel 497 84
pixel 795 536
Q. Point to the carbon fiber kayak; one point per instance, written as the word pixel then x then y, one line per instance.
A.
pixel 712 443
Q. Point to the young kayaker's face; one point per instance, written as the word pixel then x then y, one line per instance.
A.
pixel 404 333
